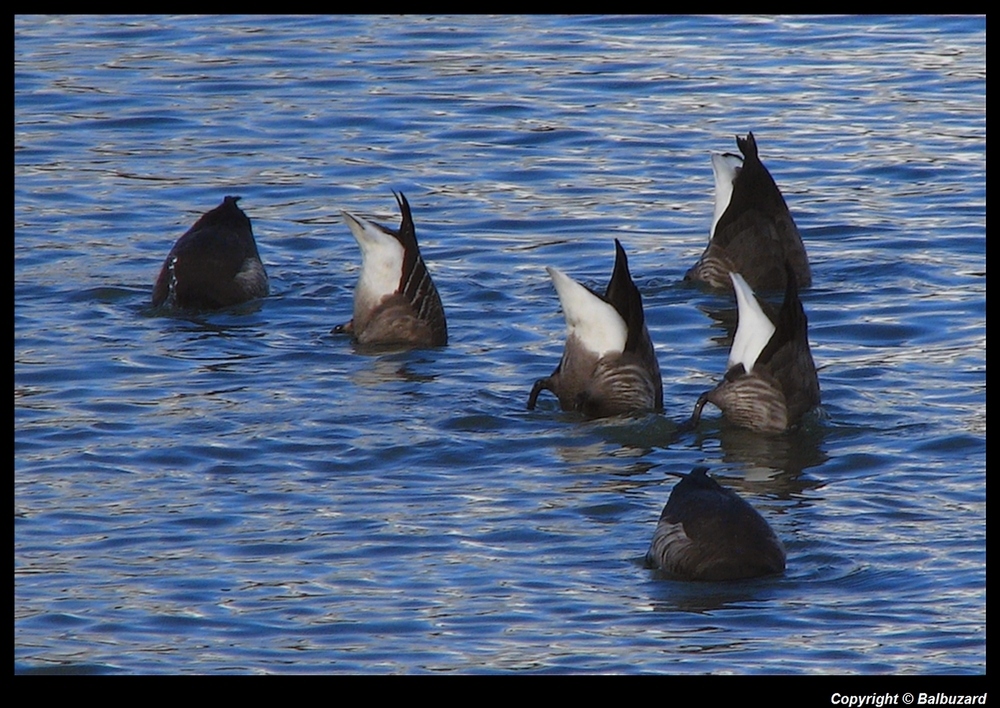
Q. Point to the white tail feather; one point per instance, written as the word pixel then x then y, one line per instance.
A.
pixel 753 328
pixel 381 260
pixel 725 167
pixel 595 322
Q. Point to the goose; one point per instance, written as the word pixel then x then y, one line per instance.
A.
pixel 215 264
pixel 753 233
pixel 608 366
pixel 395 301
pixel 771 380
pixel 708 532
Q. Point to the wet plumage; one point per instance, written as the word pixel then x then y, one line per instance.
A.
pixel 753 233
pixel 608 366
pixel 215 264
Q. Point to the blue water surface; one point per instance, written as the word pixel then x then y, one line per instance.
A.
pixel 245 492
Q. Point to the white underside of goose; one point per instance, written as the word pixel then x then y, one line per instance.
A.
pixel 753 328
pixel 725 167
pixel 591 320
pixel 381 262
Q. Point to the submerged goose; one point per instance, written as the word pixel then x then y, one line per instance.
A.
pixel 395 301
pixel 708 532
pixel 771 379
pixel 753 233
pixel 215 264
pixel 608 366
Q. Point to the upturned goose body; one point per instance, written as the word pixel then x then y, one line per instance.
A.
pixel 395 301
pixel 708 532
pixel 753 233
pixel 214 264
pixel 608 366
pixel 771 380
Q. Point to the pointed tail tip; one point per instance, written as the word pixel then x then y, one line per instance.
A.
pixel 620 255
pixel 404 206
pixel 747 145
pixel 697 472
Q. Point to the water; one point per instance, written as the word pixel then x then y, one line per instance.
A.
pixel 244 492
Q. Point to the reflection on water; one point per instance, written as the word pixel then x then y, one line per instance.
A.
pixel 388 370
pixel 764 456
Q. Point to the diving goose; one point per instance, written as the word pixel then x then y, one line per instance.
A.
pixel 708 532
pixel 771 381
pixel 608 365
pixel 395 301
pixel 753 233
pixel 215 264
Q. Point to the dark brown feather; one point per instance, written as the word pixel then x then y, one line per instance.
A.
pixel 783 385
pixel 756 235
pixel 708 532
pixel 616 383
pixel 214 264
